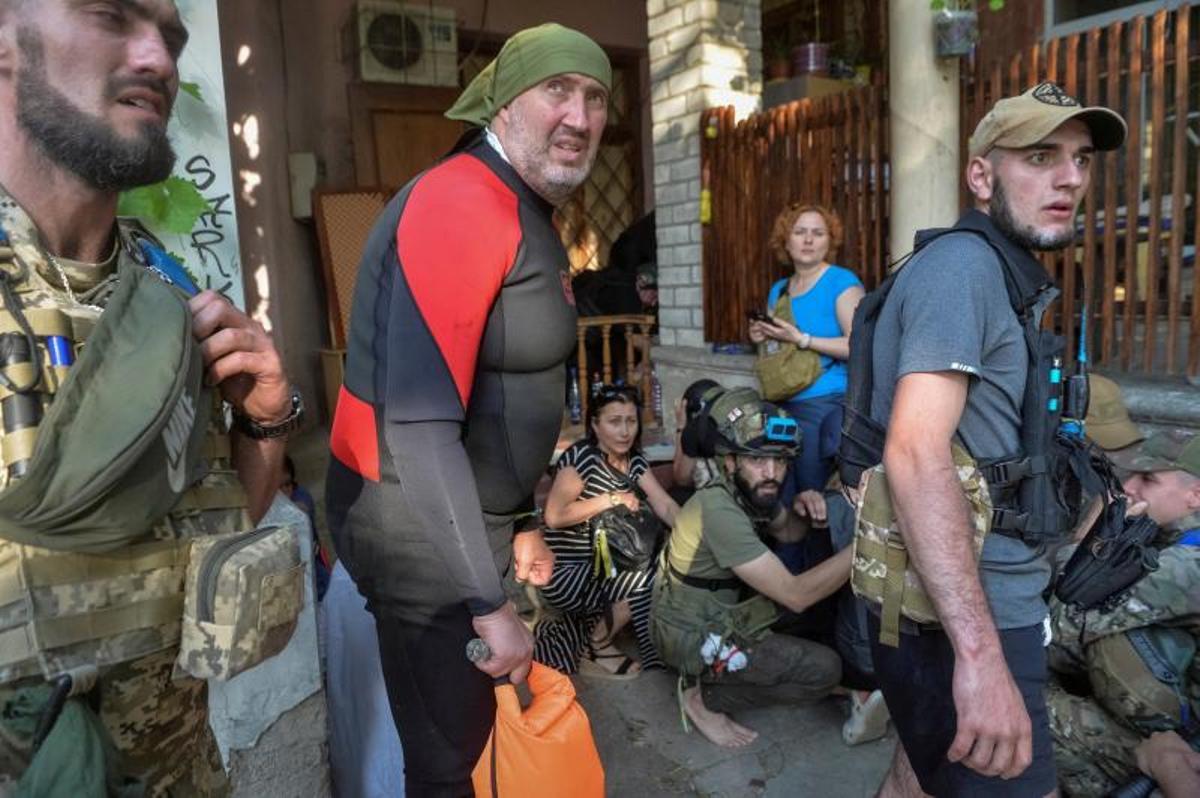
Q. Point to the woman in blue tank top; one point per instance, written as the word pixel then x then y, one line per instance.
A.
pixel 823 298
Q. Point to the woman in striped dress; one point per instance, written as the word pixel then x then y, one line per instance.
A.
pixel 594 475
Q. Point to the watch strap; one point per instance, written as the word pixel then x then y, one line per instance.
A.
pixel 258 431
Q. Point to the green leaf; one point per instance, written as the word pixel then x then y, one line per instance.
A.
pixel 193 89
pixel 937 5
pixel 173 205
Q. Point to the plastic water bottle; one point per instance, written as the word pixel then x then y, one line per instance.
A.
pixel 656 397
pixel 574 404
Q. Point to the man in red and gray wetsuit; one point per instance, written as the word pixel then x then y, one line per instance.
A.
pixel 462 320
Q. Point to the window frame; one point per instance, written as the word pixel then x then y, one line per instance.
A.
pixel 1052 29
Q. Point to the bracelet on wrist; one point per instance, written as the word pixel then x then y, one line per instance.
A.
pixel 259 431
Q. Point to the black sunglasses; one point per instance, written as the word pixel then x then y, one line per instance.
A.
pixel 609 393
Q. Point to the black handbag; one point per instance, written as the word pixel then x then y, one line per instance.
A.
pixel 1115 554
pixel 624 540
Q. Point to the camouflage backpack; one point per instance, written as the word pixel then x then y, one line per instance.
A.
pixel 881 572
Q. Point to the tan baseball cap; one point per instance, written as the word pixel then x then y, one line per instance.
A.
pixel 1175 450
pixel 1108 423
pixel 1023 121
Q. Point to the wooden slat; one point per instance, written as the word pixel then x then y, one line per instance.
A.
pixel 1133 185
pixel 1059 313
pixel 1066 74
pixel 1178 189
pixel 1112 65
pixel 1158 114
pixel 862 164
pixel 1194 332
pixel 1091 92
pixel 879 214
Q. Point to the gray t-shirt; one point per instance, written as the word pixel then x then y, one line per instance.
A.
pixel 949 311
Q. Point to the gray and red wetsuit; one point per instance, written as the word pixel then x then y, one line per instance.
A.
pixel 451 407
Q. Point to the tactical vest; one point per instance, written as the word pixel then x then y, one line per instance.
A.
pixel 61 609
pixel 687 609
pixel 1037 491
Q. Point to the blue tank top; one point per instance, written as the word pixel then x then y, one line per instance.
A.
pixel 815 312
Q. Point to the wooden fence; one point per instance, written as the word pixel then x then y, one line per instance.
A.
pixel 1135 270
pixel 832 151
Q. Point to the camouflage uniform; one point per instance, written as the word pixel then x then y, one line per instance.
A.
pixel 159 725
pixel 1094 749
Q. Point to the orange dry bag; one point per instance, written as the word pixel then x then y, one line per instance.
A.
pixel 545 751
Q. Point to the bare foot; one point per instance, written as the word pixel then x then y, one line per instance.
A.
pixel 716 727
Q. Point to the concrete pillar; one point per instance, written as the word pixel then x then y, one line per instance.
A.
pixel 703 53
pixel 923 95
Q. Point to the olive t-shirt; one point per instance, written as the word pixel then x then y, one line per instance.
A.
pixel 712 534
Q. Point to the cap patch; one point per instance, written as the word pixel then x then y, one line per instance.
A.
pixel 1051 94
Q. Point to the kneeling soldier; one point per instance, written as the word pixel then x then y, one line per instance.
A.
pixel 715 596
pixel 1131 669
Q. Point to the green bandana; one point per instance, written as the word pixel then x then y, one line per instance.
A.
pixel 527 58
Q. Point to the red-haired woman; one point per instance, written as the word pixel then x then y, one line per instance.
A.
pixel 823 298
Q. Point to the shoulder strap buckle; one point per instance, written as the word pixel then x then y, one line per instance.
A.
pixel 1009 522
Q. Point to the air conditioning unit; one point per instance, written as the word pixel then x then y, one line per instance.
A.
pixel 404 43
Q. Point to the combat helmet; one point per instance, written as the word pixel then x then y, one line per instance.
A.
pixel 744 423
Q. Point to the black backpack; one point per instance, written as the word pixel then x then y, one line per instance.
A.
pixel 1037 492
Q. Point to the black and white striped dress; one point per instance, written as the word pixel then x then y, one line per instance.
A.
pixel 574 590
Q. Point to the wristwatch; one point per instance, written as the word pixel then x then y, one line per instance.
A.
pixel 805 340
pixel 257 431
pixel 614 499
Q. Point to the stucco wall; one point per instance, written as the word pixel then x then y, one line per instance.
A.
pixel 285 77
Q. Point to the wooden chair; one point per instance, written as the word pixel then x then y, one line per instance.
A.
pixel 637 356
pixel 344 221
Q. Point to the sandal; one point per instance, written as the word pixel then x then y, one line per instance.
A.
pixel 589 665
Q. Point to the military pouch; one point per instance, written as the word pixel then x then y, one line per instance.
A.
pixel 124 436
pixel 243 597
pixel 684 617
pixel 1116 553
pixel 881 571
pixel 1140 676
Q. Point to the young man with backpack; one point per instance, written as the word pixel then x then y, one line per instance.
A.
pixel 967 694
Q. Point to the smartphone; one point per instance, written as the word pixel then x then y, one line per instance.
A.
pixel 758 315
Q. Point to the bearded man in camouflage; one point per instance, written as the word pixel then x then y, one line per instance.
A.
pixel 1108 697
pixel 86 89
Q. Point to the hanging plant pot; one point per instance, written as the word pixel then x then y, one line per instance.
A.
pixel 955 32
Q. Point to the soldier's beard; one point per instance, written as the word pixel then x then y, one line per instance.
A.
pixel 81 143
pixel 759 498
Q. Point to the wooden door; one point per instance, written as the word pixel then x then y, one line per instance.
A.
pixel 399 131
